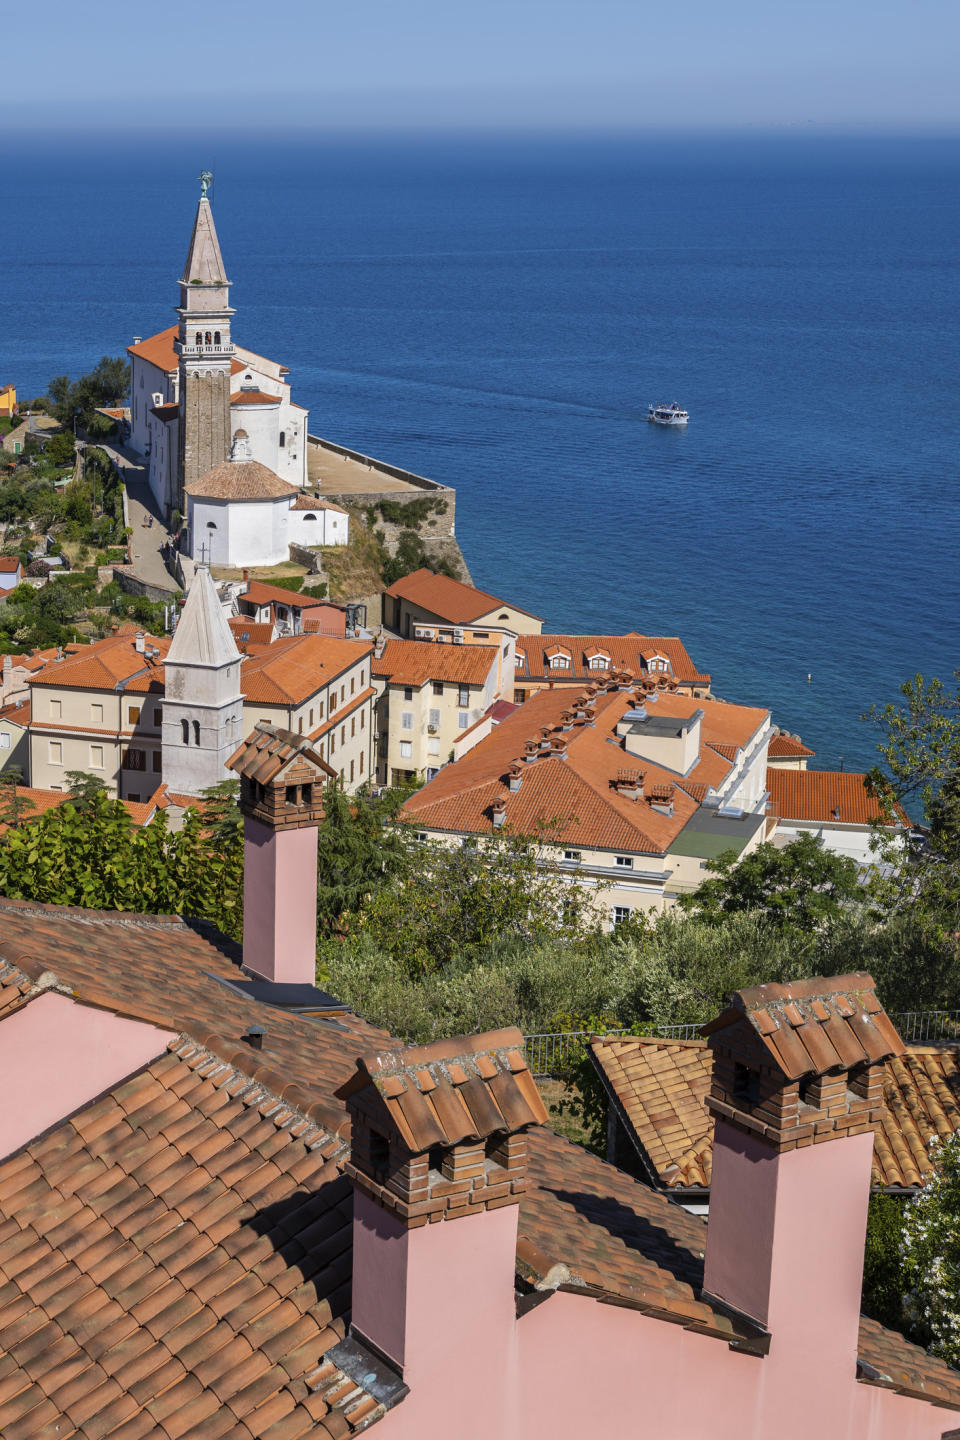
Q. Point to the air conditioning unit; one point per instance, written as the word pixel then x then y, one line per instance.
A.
pixel 157 398
pixel 458 637
pixel 421 634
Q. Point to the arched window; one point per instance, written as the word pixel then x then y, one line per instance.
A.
pixel 185 731
pixel 211 524
pixel 199 338
pixel 309 517
pixel 216 337
pixel 196 732
pixel 283 438
pixel 209 338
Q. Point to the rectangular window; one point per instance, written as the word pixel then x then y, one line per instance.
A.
pixel 362 674
pixel 406 720
pixel 320 711
pixel 133 714
pixel 96 714
pixel 406 750
pixel 96 757
pixel 463 720
pixel 573 857
pixel 300 726
pixel 343 734
pixel 55 752
pixel 4 741
pixel 311 719
pixel 352 682
pixel 360 764
pixel 353 726
pixel 333 702
pixel 351 772
pixel 343 693
pixel 625 862
pixel 56 709
pixel 433 747
pixel 333 738
pixel 435 719
pixel 463 697
pixel 363 719
pixel 438 687
pixel 157 719
pixel 408 692
pixel 621 914
pixel 157 762
pixel 420 835
pixel 519 696
pixel 135 759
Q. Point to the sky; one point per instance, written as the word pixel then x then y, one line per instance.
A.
pixel 531 65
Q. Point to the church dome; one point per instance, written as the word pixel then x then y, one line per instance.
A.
pixel 241 480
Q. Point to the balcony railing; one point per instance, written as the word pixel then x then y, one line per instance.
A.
pixel 548 1051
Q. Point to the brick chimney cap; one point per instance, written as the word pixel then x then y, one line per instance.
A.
pixel 810 1027
pixel 268 750
pixel 431 1095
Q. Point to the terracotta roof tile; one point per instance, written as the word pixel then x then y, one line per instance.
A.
pixel 240 480
pixel 451 600
pixel 158 350
pixel 103 664
pixel 294 668
pixel 625 652
pixel 817 794
pixel 415 662
pixel 659 1088
pixel 785 746
pixel 580 787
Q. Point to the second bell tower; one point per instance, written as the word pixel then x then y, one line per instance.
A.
pixel 206 352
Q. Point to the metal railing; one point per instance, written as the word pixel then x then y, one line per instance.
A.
pixel 548 1051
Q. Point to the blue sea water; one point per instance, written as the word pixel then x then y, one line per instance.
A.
pixel 498 315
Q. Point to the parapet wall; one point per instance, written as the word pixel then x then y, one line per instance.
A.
pixel 358 480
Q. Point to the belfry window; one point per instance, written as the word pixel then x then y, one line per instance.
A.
pixel 185 731
pixel 196 732
pixel 199 338
pixel 216 337
pixel 283 438
pixel 209 338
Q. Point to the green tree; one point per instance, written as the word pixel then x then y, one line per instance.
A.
pixel 930 1251
pixel 802 885
pixel 883 1278
pixel 14 807
pixel 357 853
pixel 60 448
pixel 106 384
pixel 84 788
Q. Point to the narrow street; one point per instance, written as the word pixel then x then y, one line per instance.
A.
pixel 145 520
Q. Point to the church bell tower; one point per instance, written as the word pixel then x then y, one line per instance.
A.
pixel 205 350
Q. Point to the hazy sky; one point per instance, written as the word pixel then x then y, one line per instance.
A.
pixel 249 65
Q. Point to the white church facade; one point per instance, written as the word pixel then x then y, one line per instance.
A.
pixel 192 391
pixel 241 513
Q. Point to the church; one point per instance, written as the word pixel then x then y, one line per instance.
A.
pixel 224 442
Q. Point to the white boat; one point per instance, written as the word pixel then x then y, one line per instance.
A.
pixel 667 415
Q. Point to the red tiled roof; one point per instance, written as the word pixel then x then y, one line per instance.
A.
pixel 251 632
pixel 253 397
pixel 415 662
pixel 240 480
pixel 10 564
pixel 166 412
pixel 291 670
pixel 18 711
pixel 578 789
pixel 784 746
pixel 313 502
pixel 101 665
pixel 199 1212
pixel 659 1088
pixel 626 652
pixel 259 593
pixel 454 602
pixel 815 795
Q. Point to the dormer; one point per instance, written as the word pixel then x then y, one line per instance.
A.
pixel 800 1064
pixel 520 660
pixel 656 662
pixel 596 659
pixel 558 657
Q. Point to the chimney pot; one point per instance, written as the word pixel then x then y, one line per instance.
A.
pixel 253 1036
pixel 140 643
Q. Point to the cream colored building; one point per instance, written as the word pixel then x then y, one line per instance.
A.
pixel 646 786
pixel 102 710
pixel 15 737
pixel 431 703
pixel 788 752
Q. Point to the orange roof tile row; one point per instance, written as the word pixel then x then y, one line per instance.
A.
pixel 816 795
pixel 158 350
pixel 785 746
pixel 103 664
pixel 259 593
pixel 660 1089
pixel 578 789
pixel 451 600
pixel 415 662
pixel 625 652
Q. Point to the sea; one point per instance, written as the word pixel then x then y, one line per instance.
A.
pixel 498 312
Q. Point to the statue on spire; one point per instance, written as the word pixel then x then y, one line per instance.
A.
pixel 206 180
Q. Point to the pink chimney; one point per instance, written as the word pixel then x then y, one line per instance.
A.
pixel 281 797
pixel 438 1136
pixel 796 1092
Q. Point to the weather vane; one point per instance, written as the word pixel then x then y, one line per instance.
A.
pixel 206 180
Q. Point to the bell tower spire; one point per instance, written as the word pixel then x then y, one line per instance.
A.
pixel 205 350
